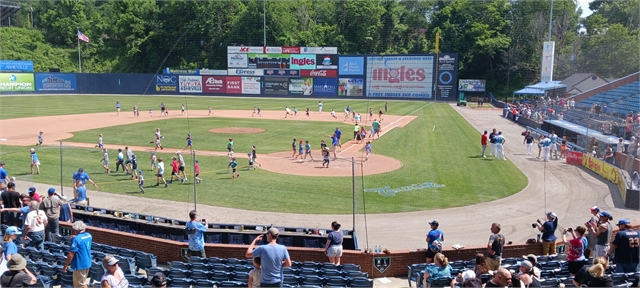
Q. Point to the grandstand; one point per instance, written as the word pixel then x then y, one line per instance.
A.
pixel 620 100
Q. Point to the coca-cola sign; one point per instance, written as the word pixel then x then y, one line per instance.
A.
pixel 319 73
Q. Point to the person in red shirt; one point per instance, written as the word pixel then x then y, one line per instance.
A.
pixel 484 141
pixel 174 170
pixel 34 195
pixel 197 168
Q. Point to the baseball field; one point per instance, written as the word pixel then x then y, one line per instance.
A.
pixel 421 142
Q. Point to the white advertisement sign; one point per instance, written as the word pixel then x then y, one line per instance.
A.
pixel 190 83
pixel 273 50
pixel 400 76
pixel 250 85
pixel 245 49
pixel 546 67
pixel 319 50
pixel 237 60
pixel 246 72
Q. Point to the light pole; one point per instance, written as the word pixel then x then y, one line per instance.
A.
pixel 264 23
pixel 550 19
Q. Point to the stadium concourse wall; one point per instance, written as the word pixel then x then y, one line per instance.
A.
pixel 169 250
pixel 419 77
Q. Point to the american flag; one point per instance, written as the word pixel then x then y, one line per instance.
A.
pixel 82 37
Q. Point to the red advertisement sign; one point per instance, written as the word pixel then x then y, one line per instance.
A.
pixel 319 73
pixel 290 50
pixel 214 84
pixel 234 85
pixel 574 157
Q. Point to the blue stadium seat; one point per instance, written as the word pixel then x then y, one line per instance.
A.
pixel 181 282
pixel 236 239
pixel 146 260
pixel 215 238
pixel 202 283
pixel 412 272
pixel 236 261
pixel 200 274
pixel 128 266
pixel 361 282
pixel 241 277
pixel 180 265
pixel 337 281
pixel 313 280
pixel 350 267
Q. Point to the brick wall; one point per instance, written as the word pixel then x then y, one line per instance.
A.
pixel 169 250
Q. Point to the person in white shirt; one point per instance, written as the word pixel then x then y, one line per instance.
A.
pixel 499 145
pixel 160 175
pixel 34 226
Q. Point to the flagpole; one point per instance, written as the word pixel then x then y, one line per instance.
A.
pixel 79 59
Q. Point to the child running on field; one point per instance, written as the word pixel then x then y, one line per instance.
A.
pixel 307 151
pixel 175 171
pixel 254 274
pixel 254 156
pixel 141 182
pixel 300 150
pixel 235 171
pixel 333 114
pixel 231 159
pixel 307 113
pixel 210 112
pixel 153 161
pixel 250 162
pixel 293 147
pixel 189 143
pixel 34 161
pixel 197 168
pixel 40 139
pixel 105 160
pixel 100 143
pixel 325 156
pixel 367 150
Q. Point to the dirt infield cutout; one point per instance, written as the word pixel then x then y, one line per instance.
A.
pixel 236 130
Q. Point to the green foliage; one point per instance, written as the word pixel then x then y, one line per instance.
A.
pixel 27 44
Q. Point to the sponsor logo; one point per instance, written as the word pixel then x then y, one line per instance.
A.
pixel 290 50
pixel 326 60
pixel 237 57
pixel 388 191
pixel 319 73
pixel 574 157
pixel 246 72
pixel 275 50
pixel 303 61
pixel 397 75
pixel 214 81
pixel 166 79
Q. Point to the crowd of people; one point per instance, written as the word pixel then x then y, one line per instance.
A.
pixel 589 251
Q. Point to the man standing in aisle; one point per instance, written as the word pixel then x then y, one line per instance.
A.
pixel 626 245
pixel 79 257
pixel 495 248
pixel 274 257
pixel 434 241
pixel 195 232
pixel 51 206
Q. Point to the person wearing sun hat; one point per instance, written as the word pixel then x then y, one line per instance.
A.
pixel 548 229
pixel 602 231
pixel 18 275
pixel 626 244
pixel 113 276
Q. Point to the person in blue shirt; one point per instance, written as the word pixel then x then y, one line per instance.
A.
pixel 434 241
pixel 9 246
pixel 548 229
pixel 79 256
pixel 4 177
pixel 335 142
pixel 273 258
pixel 34 161
pixel 338 134
pixel 118 108
pixel 195 232
pixel 439 270
pixel 82 177
pixel 81 194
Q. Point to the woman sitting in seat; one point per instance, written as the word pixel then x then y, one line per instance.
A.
pixel 113 276
pixel 439 270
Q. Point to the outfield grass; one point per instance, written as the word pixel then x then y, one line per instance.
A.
pixel 445 155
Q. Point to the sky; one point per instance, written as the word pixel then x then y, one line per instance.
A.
pixel 584 4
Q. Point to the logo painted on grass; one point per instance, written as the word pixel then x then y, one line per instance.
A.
pixel 387 191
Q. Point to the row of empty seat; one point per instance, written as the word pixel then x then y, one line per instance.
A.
pixel 620 100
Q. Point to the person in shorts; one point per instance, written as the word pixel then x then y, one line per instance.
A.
pixel 105 161
pixel 197 169
pixel 117 108
pixel 174 170
pixel 367 150
pixel 254 156
pixel 160 174
pixel 306 112
pixel 158 145
pixel 293 148
pixel 287 112
pixel 307 151
pixel 434 241
pixel 189 142
pixel 334 244
pixel 251 165
pixel 234 166
pixel 79 256
pixel 153 160
pixel 100 142
pixel 325 157
pixel 141 181
pixel 40 139
pixel 181 166
pixel 35 162
pixel 230 146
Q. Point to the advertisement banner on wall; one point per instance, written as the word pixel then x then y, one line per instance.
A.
pixel 273 50
pixel 325 87
pixel 190 83
pixel 16 66
pixel 301 86
pixel 574 157
pixel 303 62
pixel 251 85
pixel 55 82
pixel 281 72
pixel 214 84
pixel 244 49
pixel 234 85
pixel 471 85
pixel 400 76
pixel 447 77
pixel 326 61
pixel 245 72
pixel 276 86
pixel 166 83
pixel 237 60
pixel 17 82
pixel 319 73
pixel 319 50
pixel 263 61
pixel 351 65
pixel 290 50
pixel 350 87
pixel 606 170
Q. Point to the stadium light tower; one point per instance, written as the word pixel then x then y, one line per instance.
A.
pixel 550 20
pixel 264 23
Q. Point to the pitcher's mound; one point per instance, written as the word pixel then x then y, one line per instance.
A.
pixel 236 130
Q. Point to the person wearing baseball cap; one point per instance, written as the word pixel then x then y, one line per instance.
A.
pixel 434 241
pixel 548 229
pixel 51 206
pixel 33 194
pixel 158 280
pixel 18 274
pixel 602 231
pixel 626 244
pixel 83 177
pixel 273 258
pixel 9 244
pixel 591 237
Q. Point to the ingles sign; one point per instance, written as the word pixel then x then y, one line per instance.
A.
pixel 303 62
pixel 400 76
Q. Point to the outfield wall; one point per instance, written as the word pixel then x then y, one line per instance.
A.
pixel 169 250
pixel 420 77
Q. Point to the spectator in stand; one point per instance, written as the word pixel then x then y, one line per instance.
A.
pixel 441 269
pixel 548 229
pixel 66 214
pixel 572 104
pixel 113 276
pixel 620 146
pixel 604 109
pixel 628 127
pixel 158 280
pixel 602 231
pixel 434 241
pixel 9 247
pixel 526 275
pixel 254 274
pixel 18 274
pixel 34 226
pixel 626 244
pixel 501 278
pixel 534 260
pixel 481 266
pixel 577 246
pixel 33 194
pixel 594 275
pixel 597 109
pixel 608 154
pixel 495 247
pixel 469 279
pixel 82 177
pixel 195 232
pixel 632 149
pixel 333 246
pixel 273 258
pixel 10 199
pixel 79 256
pixel 51 206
